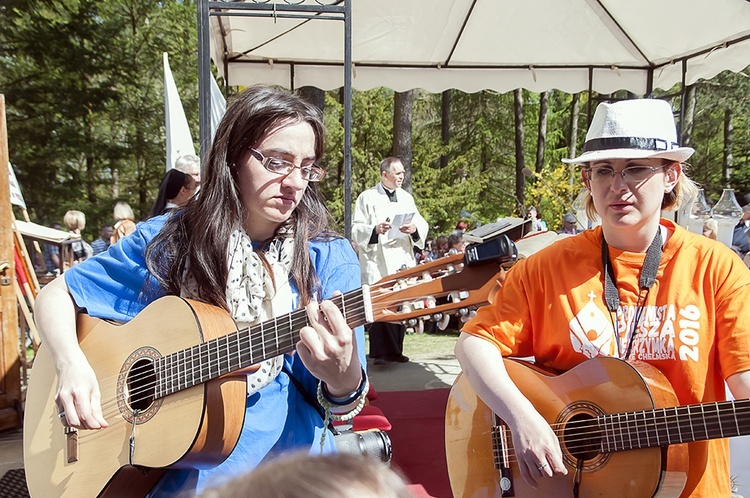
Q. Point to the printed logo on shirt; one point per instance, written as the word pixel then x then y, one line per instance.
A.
pixel 664 333
pixel 591 332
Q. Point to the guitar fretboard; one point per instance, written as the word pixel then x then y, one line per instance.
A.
pixel 680 424
pixel 238 350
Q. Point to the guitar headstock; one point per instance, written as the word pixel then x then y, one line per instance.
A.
pixel 417 291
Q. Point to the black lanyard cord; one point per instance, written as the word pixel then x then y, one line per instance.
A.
pixel 646 281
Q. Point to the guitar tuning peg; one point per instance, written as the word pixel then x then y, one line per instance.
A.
pixel 411 322
pixel 437 317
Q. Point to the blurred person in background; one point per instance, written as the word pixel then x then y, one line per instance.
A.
pixel 76 222
pixel 102 243
pixel 124 222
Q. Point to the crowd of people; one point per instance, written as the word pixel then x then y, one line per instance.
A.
pixel 258 242
pixel 176 188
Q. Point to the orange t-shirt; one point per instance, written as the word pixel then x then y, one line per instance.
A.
pixel 695 327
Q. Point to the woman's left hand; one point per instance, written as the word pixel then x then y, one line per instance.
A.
pixel 328 349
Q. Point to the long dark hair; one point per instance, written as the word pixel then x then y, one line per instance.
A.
pixel 171 183
pixel 199 233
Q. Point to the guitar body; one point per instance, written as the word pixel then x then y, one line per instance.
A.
pixel 195 427
pixel 595 387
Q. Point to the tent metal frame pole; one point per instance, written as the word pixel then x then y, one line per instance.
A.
pixel 348 119
pixel 204 83
pixel 683 92
pixel 207 8
pixel 591 97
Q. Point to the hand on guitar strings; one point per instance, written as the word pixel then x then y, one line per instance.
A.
pixel 327 348
pixel 78 397
pixel 537 448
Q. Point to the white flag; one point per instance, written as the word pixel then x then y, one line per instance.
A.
pixel 179 139
pixel 16 197
pixel 218 106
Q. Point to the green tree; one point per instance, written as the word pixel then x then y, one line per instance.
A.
pixel 85 108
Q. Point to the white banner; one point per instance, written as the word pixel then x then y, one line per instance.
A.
pixel 218 106
pixel 179 139
pixel 16 197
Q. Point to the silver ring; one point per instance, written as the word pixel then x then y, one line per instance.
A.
pixel 542 466
pixel 61 414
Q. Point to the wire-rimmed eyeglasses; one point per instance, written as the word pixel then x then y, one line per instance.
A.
pixel 310 172
pixel 632 175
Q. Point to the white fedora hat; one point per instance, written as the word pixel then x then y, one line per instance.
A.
pixel 632 129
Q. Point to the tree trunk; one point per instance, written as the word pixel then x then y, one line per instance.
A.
pixel 726 164
pixel 340 165
pixel 518 113
pixel 542 135
pixel 445 129
pixel 402 104
pixel 691 98
pixel 575 111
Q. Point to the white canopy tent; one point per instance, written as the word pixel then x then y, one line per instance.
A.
pixel 635 45
pixel 571 45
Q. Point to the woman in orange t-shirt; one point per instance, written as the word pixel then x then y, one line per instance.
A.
pixel 638 288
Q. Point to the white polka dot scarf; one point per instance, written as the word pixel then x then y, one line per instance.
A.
pixel 251 294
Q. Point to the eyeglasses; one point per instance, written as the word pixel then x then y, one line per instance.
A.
pixel 632 175
pixel 311 172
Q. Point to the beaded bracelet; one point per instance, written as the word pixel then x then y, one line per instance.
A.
pixel 347 400
pixel 328 405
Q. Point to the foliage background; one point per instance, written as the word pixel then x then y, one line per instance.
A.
pixel 83 83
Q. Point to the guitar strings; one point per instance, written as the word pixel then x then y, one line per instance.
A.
pixel 258 331
pixel 254 344
pixel 646 428
pixel 175 375
pixel 288 331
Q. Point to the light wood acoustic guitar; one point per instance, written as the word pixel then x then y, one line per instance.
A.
pixel 173 380
pixel 618 423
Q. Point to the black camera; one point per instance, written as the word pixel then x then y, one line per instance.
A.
pixel 374 444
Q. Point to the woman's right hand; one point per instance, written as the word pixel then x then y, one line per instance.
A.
pixel 537 448
pixel 78 396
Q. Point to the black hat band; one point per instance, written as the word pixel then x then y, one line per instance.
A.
pixel 608 143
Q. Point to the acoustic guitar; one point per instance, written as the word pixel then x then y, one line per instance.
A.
pixel 173 380
pixel 618 423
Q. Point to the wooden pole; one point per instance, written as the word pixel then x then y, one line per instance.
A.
pixel 36 243
pixel 26 260
pixel 10 362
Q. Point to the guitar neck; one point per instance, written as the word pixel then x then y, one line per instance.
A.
pixel 244 348
pixel 680 424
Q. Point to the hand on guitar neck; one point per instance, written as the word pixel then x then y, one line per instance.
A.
pixel 327 349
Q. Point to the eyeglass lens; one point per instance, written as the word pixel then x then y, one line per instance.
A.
pixel 631 174
pixel 311 172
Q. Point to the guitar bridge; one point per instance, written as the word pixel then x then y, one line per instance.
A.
pixel 71 438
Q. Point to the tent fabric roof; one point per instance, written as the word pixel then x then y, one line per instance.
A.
pixel 490 44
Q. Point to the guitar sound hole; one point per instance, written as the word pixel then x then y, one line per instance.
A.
pixel 141 385
pixel 583 437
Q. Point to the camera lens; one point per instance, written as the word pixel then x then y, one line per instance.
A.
pixel 374 444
